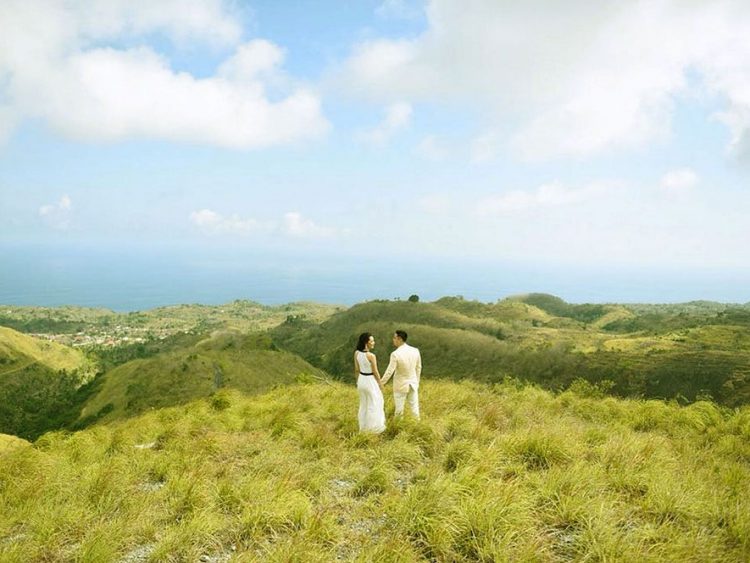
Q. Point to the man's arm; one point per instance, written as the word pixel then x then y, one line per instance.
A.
pixel 419 365
pixel 389 371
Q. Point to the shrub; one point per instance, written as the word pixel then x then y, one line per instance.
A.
pixel 220 401
pixel 539 450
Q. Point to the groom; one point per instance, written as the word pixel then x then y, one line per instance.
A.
pixel 406 368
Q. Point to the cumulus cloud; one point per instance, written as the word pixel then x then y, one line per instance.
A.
pixel 58 215
pixel 397 116
pixel 432 149
pixel 576 78
pixel 296 225
pixel 486 147
pixel 547 195
pixel 55 66
pixel 211 222
pixel 293 224
pixel 679 181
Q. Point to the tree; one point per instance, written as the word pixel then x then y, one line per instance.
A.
pixel 414 298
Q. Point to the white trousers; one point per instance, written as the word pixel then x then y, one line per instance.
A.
pixel 371 405
pixel 411 396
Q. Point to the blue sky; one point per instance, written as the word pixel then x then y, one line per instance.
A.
pixel 581 136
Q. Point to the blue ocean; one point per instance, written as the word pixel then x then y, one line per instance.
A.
pixel 138 277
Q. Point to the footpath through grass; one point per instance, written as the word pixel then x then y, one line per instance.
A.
pixel 500 473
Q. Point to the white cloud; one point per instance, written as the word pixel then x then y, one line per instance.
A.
pixel 575 78
pixel 486 147
pixel 58 215
pixel 547 195
pixel 679 181
pixel 53 67
pixel 8 119
pixel 432 149
pixel 252 59
pixel 293 224
pixel 296 225
pixel 397 117
pixel 436 204
pixel 211 222
pixel 183 20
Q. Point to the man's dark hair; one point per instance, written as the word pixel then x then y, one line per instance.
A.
pixel 402 335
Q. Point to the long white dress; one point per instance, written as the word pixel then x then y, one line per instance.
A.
pixel 371 404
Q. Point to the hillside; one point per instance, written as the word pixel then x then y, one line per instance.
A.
pixel 88 326
pixel 47 377
pixel 699 350
pixel 249 363
pixel 163 357
pixel 17 350
pixel 492 473
pixel 39 381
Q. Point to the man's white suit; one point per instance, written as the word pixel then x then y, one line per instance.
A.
pixel 406 368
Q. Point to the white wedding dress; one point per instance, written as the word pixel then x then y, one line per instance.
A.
pixel 371 405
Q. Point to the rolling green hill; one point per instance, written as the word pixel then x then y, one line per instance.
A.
pixel 326 344
pixel 705 356
pixel 491 473
pixel 39 382
pixel 160 357
pixel 557 307
pixel 17 350
pixel 249 363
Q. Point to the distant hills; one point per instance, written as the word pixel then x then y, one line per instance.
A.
pixel 239 315
pixel 89 365
pixel 682 352
pixel 39 381
pixel 18 351
pixel 248 363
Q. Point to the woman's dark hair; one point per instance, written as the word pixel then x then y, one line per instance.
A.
pixel 364 338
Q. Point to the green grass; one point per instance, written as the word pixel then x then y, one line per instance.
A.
pixel 688 351
pixel 8 442
pixel 18 350
pixel 249 363
pixel 491 473
pixel 39 382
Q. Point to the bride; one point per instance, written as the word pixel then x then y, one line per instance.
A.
pixel 371 407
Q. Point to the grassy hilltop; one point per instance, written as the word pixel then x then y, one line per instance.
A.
pixel 492 473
